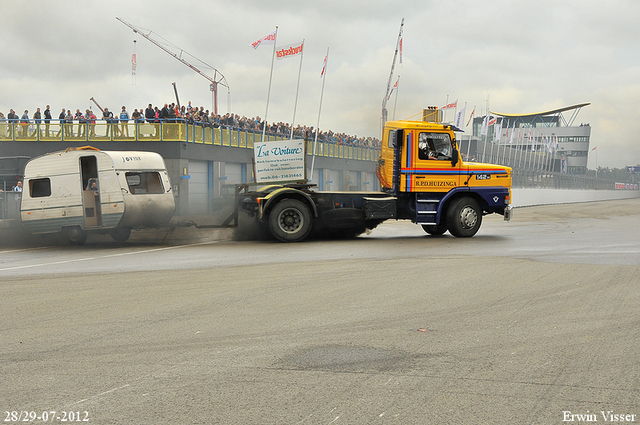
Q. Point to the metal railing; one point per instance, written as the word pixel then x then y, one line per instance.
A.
pixel 10 204
pixel 101 130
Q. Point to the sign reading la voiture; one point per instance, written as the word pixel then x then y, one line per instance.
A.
pixel 279 161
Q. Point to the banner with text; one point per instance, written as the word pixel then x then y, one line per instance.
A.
pixel 280 161
pixel 289 51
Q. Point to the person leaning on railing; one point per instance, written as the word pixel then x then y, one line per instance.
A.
pixel 108 117
pixel 47 120
pixel 24 123
pixel 198 116
pixel 37 116
pixel 68 128
pixel 61 119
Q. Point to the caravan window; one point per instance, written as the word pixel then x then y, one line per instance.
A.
pixel 144 182
pixel 39 188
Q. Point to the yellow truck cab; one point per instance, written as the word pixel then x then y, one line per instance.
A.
pixel 421 165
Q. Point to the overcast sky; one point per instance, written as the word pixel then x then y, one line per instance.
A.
pixel 518 56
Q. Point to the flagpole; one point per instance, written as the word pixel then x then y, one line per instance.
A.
pixel 396 101
pixel 470 118
pixel 273 56
pixel 491 153
pixel 444 110
pixel 315 139
pixel 499 138
pixel 509 163
pixel 532 148
pixel 523 151
pixel 484 147
pixel 295 105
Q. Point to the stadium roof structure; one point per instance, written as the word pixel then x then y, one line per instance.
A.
pixel 537 116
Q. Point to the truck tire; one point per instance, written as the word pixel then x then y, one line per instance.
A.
pixel 290 221
pixel 120 234
pixel 464 217
pixel 75 235
pixel 435 230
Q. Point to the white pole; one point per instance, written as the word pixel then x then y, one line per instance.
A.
pixel 469 146
pixel 315 140
pixel 295 105
pixel 444 111
pixel 396 101
pixel 273 55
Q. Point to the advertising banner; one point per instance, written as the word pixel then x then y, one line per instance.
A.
pixel 280 161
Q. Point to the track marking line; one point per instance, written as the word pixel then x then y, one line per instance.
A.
pixel 98 395
pixel 28 266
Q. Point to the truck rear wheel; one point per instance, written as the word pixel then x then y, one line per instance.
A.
pixel 464 217
pixel 290 221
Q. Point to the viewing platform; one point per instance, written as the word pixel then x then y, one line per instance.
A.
pixel 102 131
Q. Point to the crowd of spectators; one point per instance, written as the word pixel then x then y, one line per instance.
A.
pixel 171 113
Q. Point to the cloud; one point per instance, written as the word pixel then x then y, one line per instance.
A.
pixel 516 56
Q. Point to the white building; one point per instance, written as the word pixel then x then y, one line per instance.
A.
pixel 549 133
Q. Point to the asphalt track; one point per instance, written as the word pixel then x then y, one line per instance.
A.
pixel 530 322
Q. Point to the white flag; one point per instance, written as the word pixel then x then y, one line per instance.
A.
pixel 268 39
pixel 513 131
pixel 483 129
pixel 459 119
pixel 289 51
pixel 498 132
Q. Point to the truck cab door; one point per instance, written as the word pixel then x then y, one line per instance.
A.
pixel 430 162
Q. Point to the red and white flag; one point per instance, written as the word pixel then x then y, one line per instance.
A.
pixel 593 149
pixel 492 120
pixel 451 105
pixel 268 39
pixel 471 116
pixel 133 64
pixel 395 86
pixel 324 66
pixel 401 50
pixel 289 51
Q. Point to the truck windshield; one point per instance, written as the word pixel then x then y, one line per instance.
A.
pixel 434 146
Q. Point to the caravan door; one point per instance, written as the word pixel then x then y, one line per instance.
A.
pixel 92 210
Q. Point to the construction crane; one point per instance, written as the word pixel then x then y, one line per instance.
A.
pixel 218 78
pixel 393 65
pixel 99 107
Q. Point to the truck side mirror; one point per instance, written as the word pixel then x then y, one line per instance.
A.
pixel 454 157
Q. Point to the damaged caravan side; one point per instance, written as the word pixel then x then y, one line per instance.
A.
pixel 85 190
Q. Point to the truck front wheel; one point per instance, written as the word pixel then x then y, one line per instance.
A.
pixel 435 230
pixel 464 217
pixel 290 221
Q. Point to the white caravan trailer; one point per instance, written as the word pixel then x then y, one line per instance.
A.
pixel 84 190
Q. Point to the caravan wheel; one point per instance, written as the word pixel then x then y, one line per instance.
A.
pixel 120 234
pixel 75 235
